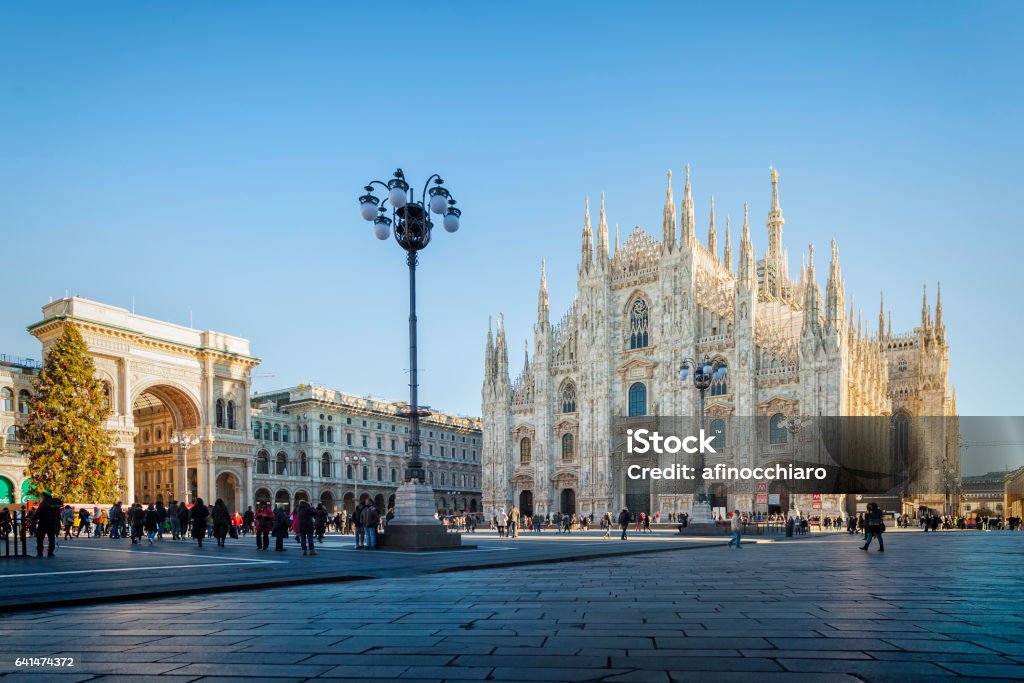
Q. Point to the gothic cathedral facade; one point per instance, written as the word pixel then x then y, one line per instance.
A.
pixel 640 311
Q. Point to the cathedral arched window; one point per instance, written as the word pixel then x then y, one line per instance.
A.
pixel 718 434
pixel 638 399
pixel 220 412
pixel 262 462
pixel 231 414
pixel 719 386
pixel 902 365
pixel 568 397
pixel 282 464
pixel 777 433
pixel 567 447
pixel 639 318
pixel 524 451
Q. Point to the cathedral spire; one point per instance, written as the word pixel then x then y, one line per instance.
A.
pixel 926 316
pixel 668 219
pixel 747 265
pixel 774 260
pixel 689 234
pixel 811 295
pixel 881 315
pixel 501 351
pixel 834 304
pixel 616 238
pixel 712 235
pixel 602 235
pixel 489 353
pixel 728 246
pixel 542 295
pixel 587 248
pixel 888 331
pixel 940 330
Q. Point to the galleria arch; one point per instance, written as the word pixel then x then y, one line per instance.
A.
pixel 165 380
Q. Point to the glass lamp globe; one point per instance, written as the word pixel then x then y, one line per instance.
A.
pixel 397 197
pixel 368 208
pixel 438 203
pixel 451 220
pixel 684 372
pixel 382 229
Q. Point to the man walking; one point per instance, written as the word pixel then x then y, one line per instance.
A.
pixel 371 518
pixel 46 519
pixel 736 525
pixel 624 522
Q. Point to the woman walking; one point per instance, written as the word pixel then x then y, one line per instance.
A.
pixel 874 526
pixel 264 523
pixel 198 516
pixel 184 514
pixel 150 522
pixel 221 519
pixel 306 517
pixel 281 527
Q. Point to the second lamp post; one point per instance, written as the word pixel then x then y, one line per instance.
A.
pixel 704 374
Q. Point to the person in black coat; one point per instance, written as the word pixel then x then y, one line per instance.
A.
pixel 874 526
pixel 184 514
pixel 150 522
pixel 137 520
pixel 46 519
pixel 320 527
pixel 161 518
pixel 221 520
pixel 307 523
pixel 624 518
pixel 198 516
pixel 282 527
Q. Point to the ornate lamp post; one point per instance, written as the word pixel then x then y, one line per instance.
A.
pixel 704 373
pixel 414 525
pixel 793 425
pixel 184 441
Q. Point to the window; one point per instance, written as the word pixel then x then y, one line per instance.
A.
pixel 394 445
pixel 257 433
pixel 430 477
pixel 330 435
pixel 431 447
pixel 348 439
pixel 305 433
pixel 348 471
pixel 220 412
pixel 24 400
pixel 303 466
pixel 13 434
pixel 365 441
pixel 638 399
pixel 380 443
pixel 463 453
pixel 282 464
pixel 902 365
pixel 323 434
pixel 366 473
pixel 266 431
pixel 106 394
pixel 284 433
pixel 568 397
pixel 231 414
pixel 719 387
pixel 638 325
pixel 262 462
pixel 444 478
pixel 380 474
pixel 394 475
pixel 277 432
pixel 8 398
pixel 777 429
pixel 718 434
pixel 442 451
pixel 524 451
pixel 567 445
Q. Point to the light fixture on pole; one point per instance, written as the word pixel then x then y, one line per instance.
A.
pixel 184 441
pixel 704 374
pixel 414 525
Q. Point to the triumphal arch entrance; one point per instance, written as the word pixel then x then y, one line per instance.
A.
pixel 178 397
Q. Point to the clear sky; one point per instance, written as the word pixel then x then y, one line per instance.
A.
pixel 207 157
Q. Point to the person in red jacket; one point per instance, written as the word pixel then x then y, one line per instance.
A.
pixel 264 523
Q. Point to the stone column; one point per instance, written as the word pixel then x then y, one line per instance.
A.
pixel 248 490
pixel 181 475
pixel 128 472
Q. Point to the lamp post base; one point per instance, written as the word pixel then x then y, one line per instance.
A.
pixel 414 526
pixel 700 513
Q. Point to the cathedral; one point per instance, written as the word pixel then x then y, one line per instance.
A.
pixel 792 352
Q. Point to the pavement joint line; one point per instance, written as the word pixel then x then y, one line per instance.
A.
pixel 155 552
pixel 133 569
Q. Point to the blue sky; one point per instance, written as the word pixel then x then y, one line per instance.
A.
pixel 206 158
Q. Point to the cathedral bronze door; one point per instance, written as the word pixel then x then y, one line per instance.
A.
pixel 526 503
pixel 568 502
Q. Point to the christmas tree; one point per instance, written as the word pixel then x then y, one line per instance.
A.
pixel 68 448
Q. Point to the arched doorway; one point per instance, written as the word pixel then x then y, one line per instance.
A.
pixel 229 490
pixel 378 502
pixel 159 467
pixel 349 502
pixel 526 503
pixel 300 496
pixel 282 500
pixel 719 498
pixel 567 502
pixel 472 505
pixel 329 503
pixel 6 491
pixel 391 501
pixel 778 498
pixel 262 496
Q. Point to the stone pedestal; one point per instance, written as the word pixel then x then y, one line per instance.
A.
pixel 700 513
pixel 414 526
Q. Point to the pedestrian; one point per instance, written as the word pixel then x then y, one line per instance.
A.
pixel 198 517
pixel 320 522
pixel 67 518
pixel 172 516
pixel 736 525
pixel 151 522
pixel 221 519
pixel 184 514
pixel 46 521
pixel 357 523
pixel 371 518
pixel 100 524
pixel 624 522
pixel 264 523
pixel 606 522
pixel 647 524
pixel 281 527
pixel 161 519
pixel 874 526
pixel 306 515
pixel 137 521
pixel 248 521
pixel 83 522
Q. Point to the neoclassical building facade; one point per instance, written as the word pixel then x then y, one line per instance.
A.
pixel 166 381
pixel 793 352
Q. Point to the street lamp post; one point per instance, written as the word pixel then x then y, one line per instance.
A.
pixel 414 525
pixel 184 441
pixel 793 425
pixel 704 373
